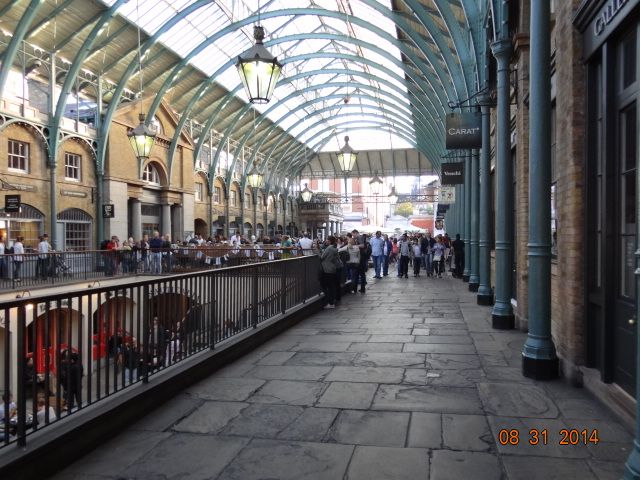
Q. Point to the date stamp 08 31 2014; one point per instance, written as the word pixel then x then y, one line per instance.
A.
pixel 543 436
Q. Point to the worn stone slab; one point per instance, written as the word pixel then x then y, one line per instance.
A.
pixel 536 468
pixel 427 399
pixel 448 378
pixel 386 429
pixel 321 358
pixel 321 347
pixel 161 419
pixel 461 339
pixel 383 463
pixel 391 338
pixel 348 395
pixel 492 359
pixel 516 400
pixel 225 389
pixel 286 460
pixel 496 373
pixel 210 417
pixel 117 454
pixel 450 465
pixel 264 421
pixel 526 428
pixel 394 330
pixel 606 470
pixel 425 430
pixel 287 372
pixel 311 426
pixel 447 348
pixel 442 361
pixel 289 392
pixel 376 347
pixel 330 338
pixel 583 409
pixel 187 456
pixel 365 374
pixel 466 432
pixel 372 359
pixel 275 358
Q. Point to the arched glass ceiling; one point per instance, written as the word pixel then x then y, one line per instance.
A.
pixel 383 71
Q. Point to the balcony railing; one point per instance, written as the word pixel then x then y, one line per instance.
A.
pixel 67 351
pixel 32 270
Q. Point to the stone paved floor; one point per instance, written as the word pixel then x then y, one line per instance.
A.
pixel 408 381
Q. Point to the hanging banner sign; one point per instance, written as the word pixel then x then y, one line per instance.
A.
pixel 447 194
pixel 463 130
pixel 452 174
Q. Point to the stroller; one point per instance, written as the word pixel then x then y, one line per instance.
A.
pixel 59 268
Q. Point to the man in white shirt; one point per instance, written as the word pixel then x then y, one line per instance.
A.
pixel 42 266
pixel 305 244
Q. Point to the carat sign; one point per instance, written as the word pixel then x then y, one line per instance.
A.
pixel 463 130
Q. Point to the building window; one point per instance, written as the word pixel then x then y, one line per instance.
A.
pixel 18 155
pixel 199 190
pixel 77 229
pixel 72 166
pixel 233 198
pixel 155 123
pixel 554 185
pixel 247 200
pixel 150 174
pixel 260 201
pixel 217 193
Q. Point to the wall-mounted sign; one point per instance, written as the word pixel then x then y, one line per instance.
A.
pixel 452 174
pixel 108 210
pixel 72 193
pixel 604 22
pixel 463 130
pixel 447 194
pixel 11 203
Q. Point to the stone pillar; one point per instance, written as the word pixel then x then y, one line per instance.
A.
pixel 177 229
pixel 475 212
pixel 502 315
pixel 136 219
pixel 485 292
pixel 166 219
pixel 467 218
pixel 539 359
pixel 327 230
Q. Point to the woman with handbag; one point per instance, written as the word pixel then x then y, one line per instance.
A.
pixel 328 265
pixel 438 257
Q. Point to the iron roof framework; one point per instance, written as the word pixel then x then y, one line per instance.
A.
pixel 391 68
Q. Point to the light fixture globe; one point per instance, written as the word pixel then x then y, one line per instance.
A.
pixel 255 178
pixel 375 183
pixel 347 157
pixel 258 69
pixel 306 194
pixel 142 139
pixel 393 196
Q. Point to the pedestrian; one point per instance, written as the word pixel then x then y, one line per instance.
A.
pixel 417 258
pixel 328 264
pixel 377 246
pixel 18 258
pixel 404 248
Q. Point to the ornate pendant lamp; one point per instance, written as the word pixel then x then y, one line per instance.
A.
pixel 375 184
pixel 255 178
pixel 393 196
pixel 258 69
pixel 306 194
pixel 347 157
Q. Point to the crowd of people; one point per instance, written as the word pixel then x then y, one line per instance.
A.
pixel 347 258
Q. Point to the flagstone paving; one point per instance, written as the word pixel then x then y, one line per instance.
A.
pixel 408 381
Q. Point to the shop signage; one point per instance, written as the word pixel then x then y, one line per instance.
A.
pixel 604 23
pixel 606 15
pixel 108 210
pixel 452 174
pixel 447 194
pixel 463 130
pixel 72 193
pixel 11 203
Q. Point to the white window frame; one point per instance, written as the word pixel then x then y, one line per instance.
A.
pixel 150 174
pixel 21 155
pixel 233 198
pixel 217 192
pixel 72 163
pixel 198 192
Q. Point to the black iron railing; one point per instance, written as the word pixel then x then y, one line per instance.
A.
pixel 31 270
pixel 64 352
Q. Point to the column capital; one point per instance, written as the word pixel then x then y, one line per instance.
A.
pixel 502 49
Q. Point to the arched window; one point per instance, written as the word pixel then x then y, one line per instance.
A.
pixel 150 174
pixel 77 229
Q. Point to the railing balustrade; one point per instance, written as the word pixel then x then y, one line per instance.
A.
pixel 60 353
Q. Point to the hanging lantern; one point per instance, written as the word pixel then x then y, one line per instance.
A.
pixel 347 157
pixel 255 178
pixel 393 196
pixel 375 183
pixel 306 194
pixel 258 69
pixel 142 138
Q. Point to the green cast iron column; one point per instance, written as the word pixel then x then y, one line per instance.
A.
pixel 502 316
pixel 539 359
pixel 485 293
pixel 467 217
pixel 475 212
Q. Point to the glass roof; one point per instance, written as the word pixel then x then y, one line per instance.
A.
pixel 356 99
